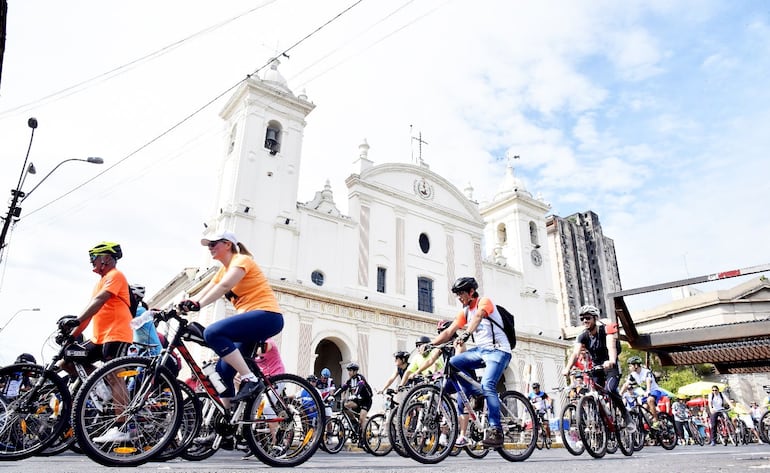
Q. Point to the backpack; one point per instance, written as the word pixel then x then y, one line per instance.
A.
pixel 509 325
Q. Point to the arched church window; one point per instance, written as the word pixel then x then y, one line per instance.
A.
pixel 502 234
pixel 533 233
pixel 273 137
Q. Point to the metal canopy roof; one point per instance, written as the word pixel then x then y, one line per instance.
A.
pixel 740 347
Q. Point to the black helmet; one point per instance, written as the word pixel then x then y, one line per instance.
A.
pixel 464 285
pixel 402 355
pixel 311 378
pixel 422 341
pixel 25 358
pixel 443 325
pixel 535 386
pixel 352 366
pixel 107 248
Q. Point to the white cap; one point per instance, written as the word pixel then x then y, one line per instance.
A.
pixel 229 236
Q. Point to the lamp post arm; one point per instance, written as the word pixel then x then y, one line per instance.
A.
pixel 36 309
pixel 89 160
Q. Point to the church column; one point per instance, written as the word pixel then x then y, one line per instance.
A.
pixel 304 348
pixel 363 247
pixel 450 263
pixel 400 252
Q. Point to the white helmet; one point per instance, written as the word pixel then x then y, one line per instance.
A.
pixel 137 290
pixel 589 309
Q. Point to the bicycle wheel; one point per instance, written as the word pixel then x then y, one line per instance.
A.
pixel 188 428
pixel 623 437
pixel 286 422
pixel 127 412
pixel 334 435
pixel 376 438
pixel 394 434
pixel 764 427
pixel 695 433
pixel 570 437
pixel 519 423
pixel 612 443
pixel 540 441
pixel 32 417
pixel 731 433
pixel 593 431
pixel 424 416
pixel 667 436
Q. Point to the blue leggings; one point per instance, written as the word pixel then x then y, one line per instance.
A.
pixel 240 332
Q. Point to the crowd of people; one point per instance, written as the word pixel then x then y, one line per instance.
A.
pixel 115 303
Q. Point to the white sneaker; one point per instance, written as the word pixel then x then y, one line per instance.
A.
pixel 461 441
pixel 442 440
pixel 114 435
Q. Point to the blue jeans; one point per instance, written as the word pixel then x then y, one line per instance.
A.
pixel 240 332
pixel 496 362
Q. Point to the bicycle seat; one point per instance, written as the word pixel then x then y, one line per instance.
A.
pixel 194 333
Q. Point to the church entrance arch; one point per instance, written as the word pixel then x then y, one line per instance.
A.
pixel 328 355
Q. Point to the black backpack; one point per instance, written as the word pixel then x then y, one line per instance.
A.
pixel 509 325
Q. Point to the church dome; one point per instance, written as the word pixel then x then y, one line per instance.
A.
pixel 273 77
pixel 511 185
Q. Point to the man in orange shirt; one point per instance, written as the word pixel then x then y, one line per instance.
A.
pixel 109 308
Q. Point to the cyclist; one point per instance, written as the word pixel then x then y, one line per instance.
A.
pixel 429 361
pixel 492 349
pixel 258 316
pixel 360 399
pixel 110 311
pixel 401 360
pixel 325 383
pixel 643 377
pixel 603 347
pixel 542 404
pixel 718 405
pixel 146 333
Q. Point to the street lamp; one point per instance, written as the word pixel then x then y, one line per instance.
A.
pixel 36 309
pixel 17 196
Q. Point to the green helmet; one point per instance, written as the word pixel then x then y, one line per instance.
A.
pixel 635 360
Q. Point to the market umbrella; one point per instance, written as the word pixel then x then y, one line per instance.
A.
pixel 699 388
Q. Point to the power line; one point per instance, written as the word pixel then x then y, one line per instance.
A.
pixel 80 86
pixel 198 110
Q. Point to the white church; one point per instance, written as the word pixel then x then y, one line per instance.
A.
pixel 359 287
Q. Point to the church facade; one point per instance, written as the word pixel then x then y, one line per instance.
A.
pixel 361 286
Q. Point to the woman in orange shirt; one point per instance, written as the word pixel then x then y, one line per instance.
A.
pixel 258 315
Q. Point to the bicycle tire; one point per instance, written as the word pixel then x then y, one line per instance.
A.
pixel 570 437
pixel 31 419
pixel 764 427
pixel 334 436
pixel 292 432
pixel 519 423
pixel 394 434
pixel 593 431
pixel 376 439
pixel 612 442
pixel 623 437
pixel 424 415
pixel 667 436
pixel 151 409
pixel 188 427
pixel 695 433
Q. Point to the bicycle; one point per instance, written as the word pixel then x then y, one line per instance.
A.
pixel 35 402
pixel 543 438
pixel 725 429
pixel 694 432
pixel 664 435
pixel 427 412
pixel 282 425
pixel 599 417
pixel 377 431
pixel 340 427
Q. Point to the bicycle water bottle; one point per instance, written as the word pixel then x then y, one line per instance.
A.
pixel 210 370
pixel 141 320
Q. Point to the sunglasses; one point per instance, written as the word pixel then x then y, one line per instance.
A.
pixel 583 318
pixel 212 244
pixel 93 258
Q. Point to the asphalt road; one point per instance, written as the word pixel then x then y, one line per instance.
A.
pixel 687 459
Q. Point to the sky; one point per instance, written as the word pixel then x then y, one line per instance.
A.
pixel 652 114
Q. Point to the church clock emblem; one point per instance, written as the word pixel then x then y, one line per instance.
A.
pixel 537 259
pixel 423 188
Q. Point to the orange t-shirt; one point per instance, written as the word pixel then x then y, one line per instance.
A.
pixel 253 292
pixel 112 323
